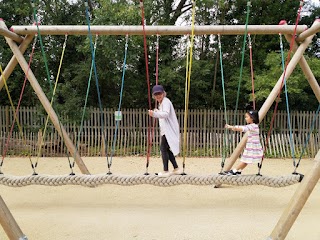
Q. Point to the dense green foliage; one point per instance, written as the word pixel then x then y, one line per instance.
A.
pixel 206 88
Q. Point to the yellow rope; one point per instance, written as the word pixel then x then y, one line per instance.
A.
pixel 14 110
pixel 11 102
pixel 52 98
pixel 188 77
pixel 185 110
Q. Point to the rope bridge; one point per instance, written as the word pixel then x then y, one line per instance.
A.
pixel 131 180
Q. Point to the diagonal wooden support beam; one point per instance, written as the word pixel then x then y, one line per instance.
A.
pixel 303 63
pixel 13 62
pixel 310 77
pixel 45 102
pixel 9 224
pixel 309 182
pixel 269 101
pixel 297 202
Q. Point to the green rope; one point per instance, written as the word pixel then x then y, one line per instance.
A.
pixel 242 60
pixel 41 44
pixel 52 91
pixel 51 103
pixel 224 105
pixel 308 138
pixel 287 103
pixel 102 116
pixel 120 100
pixel 86 101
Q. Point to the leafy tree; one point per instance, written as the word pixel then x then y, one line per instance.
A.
pixel 206 82
pixel 13 16
pixel 299 90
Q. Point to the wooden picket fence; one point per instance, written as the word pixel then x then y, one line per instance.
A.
pixel 205 133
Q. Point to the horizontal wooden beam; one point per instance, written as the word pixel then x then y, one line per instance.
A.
pixel 161 30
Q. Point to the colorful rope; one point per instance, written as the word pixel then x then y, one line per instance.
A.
pixel 188 80
pixel 282 82
pixel 120 100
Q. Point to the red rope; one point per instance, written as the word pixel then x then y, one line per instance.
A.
pixel 18 106
pixel 282 82
pixel 148 81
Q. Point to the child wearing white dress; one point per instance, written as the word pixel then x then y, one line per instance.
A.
pixel 253 151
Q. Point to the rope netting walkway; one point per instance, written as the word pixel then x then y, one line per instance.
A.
pixel 130 180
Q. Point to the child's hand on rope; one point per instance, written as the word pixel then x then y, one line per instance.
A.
pixel 150 112
pixel 228 126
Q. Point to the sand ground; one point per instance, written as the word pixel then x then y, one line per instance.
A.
pixel 155 213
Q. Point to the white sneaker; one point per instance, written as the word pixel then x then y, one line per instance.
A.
pixel 164 174
pixel 177 171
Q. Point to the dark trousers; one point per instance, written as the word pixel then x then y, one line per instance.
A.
pixel 167 154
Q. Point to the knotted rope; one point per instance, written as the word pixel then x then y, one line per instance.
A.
pixel 130 180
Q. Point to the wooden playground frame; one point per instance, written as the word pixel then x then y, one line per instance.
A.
pixel 304 37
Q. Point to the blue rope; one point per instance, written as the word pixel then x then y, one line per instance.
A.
pixel 86 100
pixel 287 104
pixel 308 137
pixel 120 101
pixel 242 60
pixel 224 104
pixel 96 78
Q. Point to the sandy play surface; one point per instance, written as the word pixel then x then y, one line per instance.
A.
pixel 148 212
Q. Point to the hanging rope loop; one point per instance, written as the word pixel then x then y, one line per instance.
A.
pixel 242 60
pixel 225 146
pixel 85 106
pixel 102 115
pixel 249 41
pixel 308 138
pixel 120 102
pixel 149 137
pixel 282 83
pixel 287 105
pixel 252 72
pixel 16 111
pixel 65 41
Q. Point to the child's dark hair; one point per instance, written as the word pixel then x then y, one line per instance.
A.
pixel 254 114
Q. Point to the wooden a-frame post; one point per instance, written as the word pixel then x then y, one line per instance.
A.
pixel 270 99
pixel 9 224
pixel 297 202
pixel 297 58
pixel 311 179
pixel 13 62
pixel 45 102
